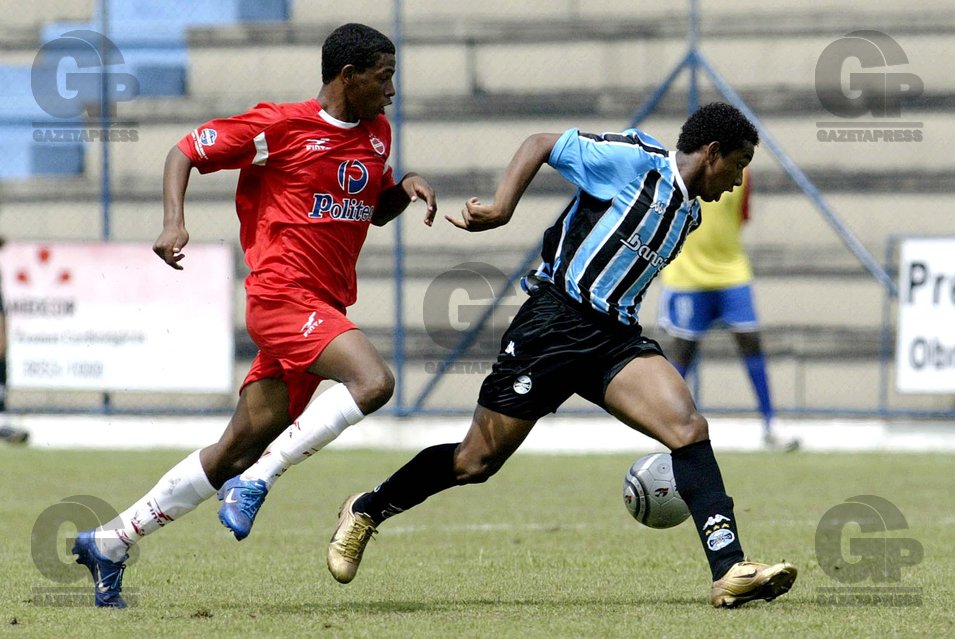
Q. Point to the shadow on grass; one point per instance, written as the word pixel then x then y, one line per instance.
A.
pixel 431 606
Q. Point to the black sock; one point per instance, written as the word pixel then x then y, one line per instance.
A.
pixel 430 472
pixel 700 483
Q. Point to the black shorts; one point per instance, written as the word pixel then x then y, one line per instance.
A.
pixel 556 347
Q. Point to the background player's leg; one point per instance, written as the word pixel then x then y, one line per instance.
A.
pixel 7 432
pixel 681 354
pixel 751 352
pixel 651 397
pixel 686 316
pixel 738 312
pixel 365 385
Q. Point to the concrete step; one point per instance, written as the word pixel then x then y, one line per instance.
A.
pixel 801 301
pixel 480 147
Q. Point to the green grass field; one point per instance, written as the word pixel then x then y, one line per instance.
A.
pixel 545 549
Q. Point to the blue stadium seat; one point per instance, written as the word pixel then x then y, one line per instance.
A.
pixel 151 36
pixel 153 52
pixel 57 158
pixel 22 155
pixel 264 10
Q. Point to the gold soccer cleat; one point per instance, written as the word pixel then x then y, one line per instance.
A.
pixel 348 543
pixel 748 580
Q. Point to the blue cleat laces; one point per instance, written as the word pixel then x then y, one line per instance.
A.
pixel 241 501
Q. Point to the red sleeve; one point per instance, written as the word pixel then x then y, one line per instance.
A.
pixel 235 142
pixel 387 178
pixel 388 175
pixel 744 208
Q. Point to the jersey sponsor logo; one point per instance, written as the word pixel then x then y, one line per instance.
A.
pixel 316 144
pixel 522 385
pixel 207 137
pixel 348 209
pixel 352 176
pixel 635 244
pixel 377 145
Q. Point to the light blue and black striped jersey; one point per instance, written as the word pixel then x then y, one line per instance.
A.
pixel 627 220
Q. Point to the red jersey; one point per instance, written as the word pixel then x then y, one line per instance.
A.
pixel 308 187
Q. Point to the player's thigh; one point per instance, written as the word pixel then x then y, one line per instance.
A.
pixel 347 357
pixel 649 395
pixel 490 441
pixel 350 358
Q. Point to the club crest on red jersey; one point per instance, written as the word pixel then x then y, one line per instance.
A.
pixel 377 145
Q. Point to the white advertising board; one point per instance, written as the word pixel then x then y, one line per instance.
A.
pixel 925 351
pixel 111 316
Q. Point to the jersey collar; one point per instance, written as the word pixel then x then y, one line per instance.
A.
pixel 671 157
pixel 323 114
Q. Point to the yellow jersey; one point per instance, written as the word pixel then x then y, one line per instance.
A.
pixel 713 256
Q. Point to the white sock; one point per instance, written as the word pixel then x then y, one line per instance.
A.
pixel 327 415
pixel 179 491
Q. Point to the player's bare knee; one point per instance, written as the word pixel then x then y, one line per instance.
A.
pixel 694 428
pixel 474 470
pixel 226 459
pixel 374 390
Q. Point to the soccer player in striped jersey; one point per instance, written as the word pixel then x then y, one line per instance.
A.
pixel 710 283
pixel 314 176
pixel 579 332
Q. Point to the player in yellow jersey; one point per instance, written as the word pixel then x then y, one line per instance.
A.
pixel 710 283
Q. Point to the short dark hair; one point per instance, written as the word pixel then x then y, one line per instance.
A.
pixel 355 44
pixel 716 122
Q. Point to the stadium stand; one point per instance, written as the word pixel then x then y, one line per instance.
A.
pixel 476 79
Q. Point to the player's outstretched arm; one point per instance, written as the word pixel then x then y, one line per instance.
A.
pixel 174 237
pixel 392 202
pixel 528 159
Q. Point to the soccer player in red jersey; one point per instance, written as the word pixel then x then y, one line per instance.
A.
pixel 313 177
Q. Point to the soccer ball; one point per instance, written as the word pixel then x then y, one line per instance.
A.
pixel 650 494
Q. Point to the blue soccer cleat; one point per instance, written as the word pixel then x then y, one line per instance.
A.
pixel 107 574
pixel 241 501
